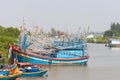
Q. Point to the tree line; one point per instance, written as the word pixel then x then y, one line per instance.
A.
pixel 8 35
pixel 114 31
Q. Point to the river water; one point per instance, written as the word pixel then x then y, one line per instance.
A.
pixel 104 64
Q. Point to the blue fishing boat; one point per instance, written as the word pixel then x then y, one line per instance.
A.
pixel 37 73
pixel 77 57
pixel 33 72
pixel 52 53
pixel 10 77
pixel 28 70
pixel 6 75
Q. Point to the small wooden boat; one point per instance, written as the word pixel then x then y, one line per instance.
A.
pixel 38 73
pixel 29 70
pixel 9 75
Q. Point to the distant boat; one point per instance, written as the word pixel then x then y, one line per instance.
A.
pixel 113 43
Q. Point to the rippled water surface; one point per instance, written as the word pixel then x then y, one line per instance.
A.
pixel 104 64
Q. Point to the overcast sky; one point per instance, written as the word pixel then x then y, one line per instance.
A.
pixel 67 15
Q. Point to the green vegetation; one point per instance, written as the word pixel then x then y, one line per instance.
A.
pixel 8 36
pixel 98 39
pixel 114 31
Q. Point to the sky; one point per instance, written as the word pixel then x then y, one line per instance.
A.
pixel 66 15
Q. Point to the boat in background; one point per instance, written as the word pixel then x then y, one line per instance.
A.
pixel 113 43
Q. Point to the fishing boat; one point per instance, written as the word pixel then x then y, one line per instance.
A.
pixel 10 77
pixel 33 72
pixel 28 70
pixel 34 50
pixel 9 74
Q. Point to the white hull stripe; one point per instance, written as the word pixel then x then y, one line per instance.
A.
pixel 55 61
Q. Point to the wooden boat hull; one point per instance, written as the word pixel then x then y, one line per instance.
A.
pixel 45 61
pixel 10 77
pixel 33 74
pixel 49 61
